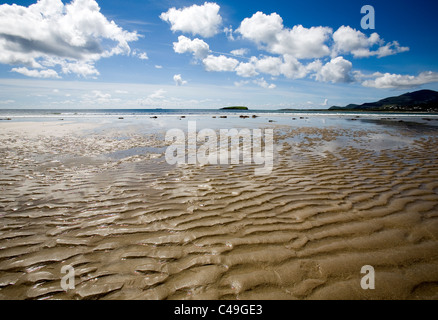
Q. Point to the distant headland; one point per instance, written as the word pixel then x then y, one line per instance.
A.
pixel 418 101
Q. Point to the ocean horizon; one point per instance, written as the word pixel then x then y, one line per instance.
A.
pixel 54 113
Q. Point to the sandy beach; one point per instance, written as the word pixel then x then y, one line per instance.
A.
pixel 100 197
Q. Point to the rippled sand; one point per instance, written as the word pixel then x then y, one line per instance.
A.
pixel 134 227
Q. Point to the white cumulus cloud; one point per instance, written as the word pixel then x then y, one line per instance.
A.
pixel 295 52
pixel 203 20
pixel 229 33
pixel 398 81
pixel 178 80
pixel 269 33
pixel 246 69
pixel 262 83
pixel 336 70
pixel 267 64
pixel 287 66
pixel 50 33
pixel 261 28
pixel 198 47
pixel 46 73
pixel 239 52
pixel 292 68
pixel 220 63
pixel 140 55
pixel 349 40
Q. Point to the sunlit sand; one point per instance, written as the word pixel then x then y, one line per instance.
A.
pixel 99 196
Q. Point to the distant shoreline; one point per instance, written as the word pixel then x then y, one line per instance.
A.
pixel 6 114
pixel 360 110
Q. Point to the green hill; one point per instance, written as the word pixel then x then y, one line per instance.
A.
pixel 235 108
pixel 422 101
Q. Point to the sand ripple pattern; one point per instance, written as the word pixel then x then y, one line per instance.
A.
pixel 137 228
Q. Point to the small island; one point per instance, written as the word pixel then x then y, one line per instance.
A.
pixel 235 108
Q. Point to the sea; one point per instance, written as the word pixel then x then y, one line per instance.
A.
pixel 71 113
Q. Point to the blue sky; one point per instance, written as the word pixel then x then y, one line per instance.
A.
pixel 197 54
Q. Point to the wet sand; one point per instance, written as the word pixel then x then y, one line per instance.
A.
pixel 105 202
